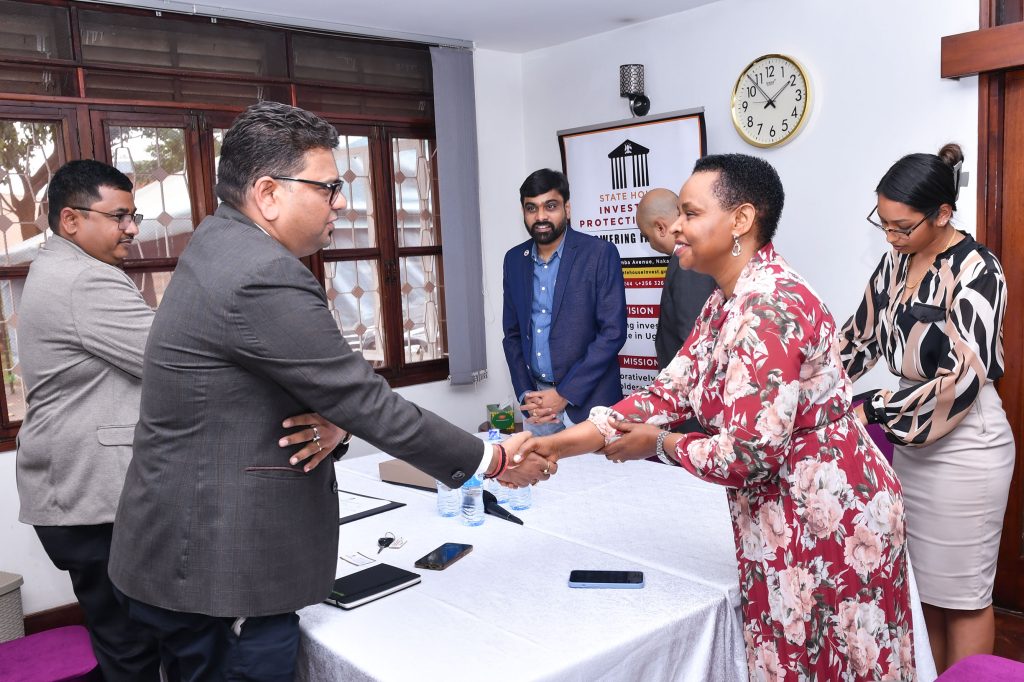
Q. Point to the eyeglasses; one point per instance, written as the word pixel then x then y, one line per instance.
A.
pixel 333 187
pixel 124 220
pixel 901 231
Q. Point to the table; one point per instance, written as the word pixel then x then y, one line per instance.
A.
pixel 505 612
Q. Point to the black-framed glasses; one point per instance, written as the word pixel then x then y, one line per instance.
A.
pixel 901 231
pixel 334 188
pixel 124 220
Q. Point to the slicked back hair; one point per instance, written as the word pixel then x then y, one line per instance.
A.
pixel 268 138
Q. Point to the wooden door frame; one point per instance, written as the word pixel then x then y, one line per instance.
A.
pixel 992 52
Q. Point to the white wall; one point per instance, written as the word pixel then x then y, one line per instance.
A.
pixel 877 95
pixel 874 69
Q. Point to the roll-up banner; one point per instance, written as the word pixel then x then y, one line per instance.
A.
pixel 610 167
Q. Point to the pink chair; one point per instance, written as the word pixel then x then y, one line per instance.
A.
pixel 878 435
pixel 58 655
pixel 983 668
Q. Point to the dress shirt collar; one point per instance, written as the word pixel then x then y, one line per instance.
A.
pixel 558 252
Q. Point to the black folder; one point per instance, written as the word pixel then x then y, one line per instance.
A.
pixel 370 583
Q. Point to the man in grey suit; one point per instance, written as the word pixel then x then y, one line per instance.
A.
pixel 218 541
pixel 82 326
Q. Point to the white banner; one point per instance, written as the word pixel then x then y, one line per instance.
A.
pixel 610 167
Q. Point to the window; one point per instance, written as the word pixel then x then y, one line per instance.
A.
pixel 153 96
pixel 383 268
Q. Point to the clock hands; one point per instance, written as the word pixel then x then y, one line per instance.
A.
pixel 772 99
pixel 770 102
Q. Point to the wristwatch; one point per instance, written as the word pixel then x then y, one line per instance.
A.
pixel 659 449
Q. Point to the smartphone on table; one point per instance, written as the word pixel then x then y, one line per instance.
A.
pixel 444 556
pixel 607 579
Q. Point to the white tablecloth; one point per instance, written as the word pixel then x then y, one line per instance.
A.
pixel 505 612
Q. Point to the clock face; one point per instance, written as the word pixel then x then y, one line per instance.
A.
pixel 770 100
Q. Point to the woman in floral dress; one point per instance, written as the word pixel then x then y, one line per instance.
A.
pixel 817 512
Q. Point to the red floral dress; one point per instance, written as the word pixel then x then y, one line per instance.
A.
pixel 817 512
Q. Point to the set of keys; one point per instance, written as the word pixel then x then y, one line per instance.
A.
pixel 389 540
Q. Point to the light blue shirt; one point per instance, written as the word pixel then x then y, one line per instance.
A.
pixel 544 277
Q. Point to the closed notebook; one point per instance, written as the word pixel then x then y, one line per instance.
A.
pixel 370 583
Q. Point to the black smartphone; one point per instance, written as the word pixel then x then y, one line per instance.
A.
pixel 444 556
pixel 607 579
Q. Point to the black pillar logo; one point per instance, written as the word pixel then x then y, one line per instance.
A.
pixel 637 155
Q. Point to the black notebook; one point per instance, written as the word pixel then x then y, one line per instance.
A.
pixel 370 583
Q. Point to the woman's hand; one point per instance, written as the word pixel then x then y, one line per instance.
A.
pixel 320 438
pixel 858 412
pixel 637 442
pixel 534 460
pixel 531 470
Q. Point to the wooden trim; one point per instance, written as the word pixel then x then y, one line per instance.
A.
pixel 1008 11
pixel 58 617
pixel 144 105
pixel 987 49
pixel 990 160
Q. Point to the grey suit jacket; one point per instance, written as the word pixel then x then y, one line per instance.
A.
pixel 82 327
pixel 213 519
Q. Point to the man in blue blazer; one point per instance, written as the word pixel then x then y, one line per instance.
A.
pixel 564 314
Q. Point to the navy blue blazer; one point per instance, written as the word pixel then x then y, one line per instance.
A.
pixel 588 323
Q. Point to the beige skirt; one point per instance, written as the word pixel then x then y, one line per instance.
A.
pixel 955 494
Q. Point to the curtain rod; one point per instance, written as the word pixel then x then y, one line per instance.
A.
pixel 263 18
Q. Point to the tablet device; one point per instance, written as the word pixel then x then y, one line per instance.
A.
pixel 370 583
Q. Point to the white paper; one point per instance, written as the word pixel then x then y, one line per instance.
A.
pixel 350 503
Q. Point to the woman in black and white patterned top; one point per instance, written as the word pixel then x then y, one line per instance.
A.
pixel 934 311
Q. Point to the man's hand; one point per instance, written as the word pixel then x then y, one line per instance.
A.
pixel 637 442
pixel 543 406
pixel 530 470
pixel 321 438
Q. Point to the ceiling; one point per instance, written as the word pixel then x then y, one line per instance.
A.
pixel 516 26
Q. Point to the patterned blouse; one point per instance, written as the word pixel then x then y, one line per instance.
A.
pixel 946 340
pixel 817 512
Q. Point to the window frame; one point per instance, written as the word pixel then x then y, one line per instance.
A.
pixel 83 121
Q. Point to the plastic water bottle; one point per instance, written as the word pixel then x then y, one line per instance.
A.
pixel 520 498
pixel 447 500
pixel 499 491
pixel 473 501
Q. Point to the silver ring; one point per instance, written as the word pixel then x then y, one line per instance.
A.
pixel 319 448
pixel 316 435
pixel 546 472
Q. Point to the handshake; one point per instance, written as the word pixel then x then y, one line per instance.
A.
pixel 527 460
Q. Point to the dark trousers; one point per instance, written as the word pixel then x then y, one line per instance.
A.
pixel 210 648
pixel 122 651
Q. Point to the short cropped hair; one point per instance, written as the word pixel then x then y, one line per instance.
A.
pixel 543 181
pixel 77 183
pixel 268 138
pixel 744 179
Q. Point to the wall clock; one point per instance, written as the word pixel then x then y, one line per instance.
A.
pixel 771 100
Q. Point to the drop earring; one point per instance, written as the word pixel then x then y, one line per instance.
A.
pixel 736 248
